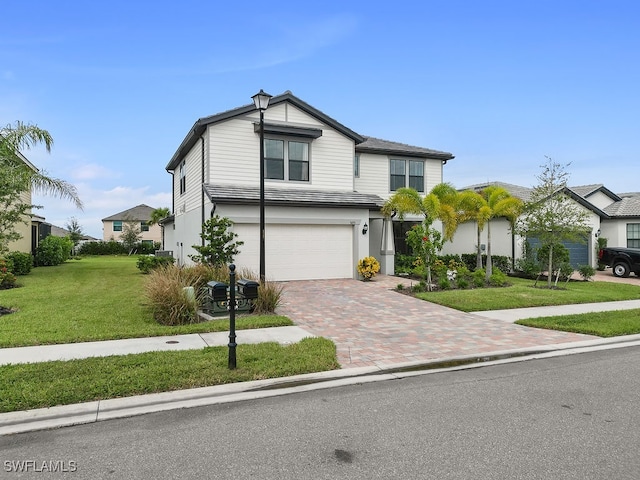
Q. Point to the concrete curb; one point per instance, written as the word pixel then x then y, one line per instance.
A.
pixel 95 411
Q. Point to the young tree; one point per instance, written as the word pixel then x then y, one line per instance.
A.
pixel 220 245
pixel 131 234
pixel 75 230
pixel 551 215
pixel 17 178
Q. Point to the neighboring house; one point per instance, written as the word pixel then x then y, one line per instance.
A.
pixel 30 229
pixel 324 187
pixel 112 226
pixel 614 217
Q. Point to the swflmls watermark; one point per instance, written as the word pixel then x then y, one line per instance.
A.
pixel 40 466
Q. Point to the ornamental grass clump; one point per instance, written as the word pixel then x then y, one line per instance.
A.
pixel 368 267
pixel 171 302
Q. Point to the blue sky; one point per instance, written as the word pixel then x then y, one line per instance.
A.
pixel 500 84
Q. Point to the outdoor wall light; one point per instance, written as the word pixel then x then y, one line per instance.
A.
pixel 365 228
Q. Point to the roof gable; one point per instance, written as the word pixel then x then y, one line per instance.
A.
pixel 139 212
pixel 201 124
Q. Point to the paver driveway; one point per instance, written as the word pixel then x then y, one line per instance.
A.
pixel 371 324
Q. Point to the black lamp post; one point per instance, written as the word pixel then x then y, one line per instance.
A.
pixel 261 100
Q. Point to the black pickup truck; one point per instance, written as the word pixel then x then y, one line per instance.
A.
pixel 623 261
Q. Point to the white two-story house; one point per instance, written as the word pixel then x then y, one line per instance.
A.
pixel 324 187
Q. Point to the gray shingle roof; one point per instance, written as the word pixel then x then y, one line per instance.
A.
pixel 627 207
pixel 291 197
pixel 523 193
pixel 378 145
pixel 140 212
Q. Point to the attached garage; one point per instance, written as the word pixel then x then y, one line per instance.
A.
pixel 308 234
pixel 300 251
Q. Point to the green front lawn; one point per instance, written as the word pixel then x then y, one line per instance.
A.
pixel 521 293
pixel 96 298
pixel 601 324
pixel 40 385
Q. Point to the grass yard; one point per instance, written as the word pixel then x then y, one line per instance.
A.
pixel 521 293
pixel 40 385
pixel 602 324
pixel 96 298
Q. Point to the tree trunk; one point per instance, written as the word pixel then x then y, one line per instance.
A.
pixel 550 266
pixel 479 255
pixel 489 271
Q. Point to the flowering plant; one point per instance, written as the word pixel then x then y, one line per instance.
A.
pixel 7 279
pixel 368 267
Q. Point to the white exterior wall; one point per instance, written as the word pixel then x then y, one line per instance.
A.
pixel 615 231
pixel 600 200
pixel 235 153
pixel 191 199
pixel 375 178
pixel 466 238
pixel 320 220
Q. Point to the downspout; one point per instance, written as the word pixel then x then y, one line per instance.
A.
pixel 202 215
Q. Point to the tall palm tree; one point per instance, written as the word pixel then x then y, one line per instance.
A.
pixel 499 204
pixel 158 214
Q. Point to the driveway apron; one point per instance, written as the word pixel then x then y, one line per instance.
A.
pixel 374 325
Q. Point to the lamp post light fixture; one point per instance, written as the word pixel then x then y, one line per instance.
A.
pixel 261 101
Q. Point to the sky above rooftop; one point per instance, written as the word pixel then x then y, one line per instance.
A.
pixel 499 84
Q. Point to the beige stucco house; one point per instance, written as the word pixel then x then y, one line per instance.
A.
pixel 112 225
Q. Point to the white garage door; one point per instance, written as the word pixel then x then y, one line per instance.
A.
pixel 299 252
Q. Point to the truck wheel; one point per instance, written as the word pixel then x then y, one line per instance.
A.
pixel 621 270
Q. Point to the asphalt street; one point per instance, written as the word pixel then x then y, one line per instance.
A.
pixel 567 417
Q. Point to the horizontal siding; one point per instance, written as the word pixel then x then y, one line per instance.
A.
pixel 190 200
pixel 235 155
pixel 374 174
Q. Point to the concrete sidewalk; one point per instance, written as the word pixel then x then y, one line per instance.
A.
pixel 47 353
pixel 516 314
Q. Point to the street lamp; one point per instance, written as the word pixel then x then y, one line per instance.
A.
pixel 261 100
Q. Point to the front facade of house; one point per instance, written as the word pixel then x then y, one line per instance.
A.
pixel 324 187
pixel 112 226
pixel 611 216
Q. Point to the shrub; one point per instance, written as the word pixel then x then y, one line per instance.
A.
pixel 146 263
pixel 102 248
pixel 498 278
pixel 21 262
pixel 220 244
pixel 479 278
pixel 53 251
pixel 462 283
pixel 368 267
pixel 586 271
pixel 7 279
pixel 444 283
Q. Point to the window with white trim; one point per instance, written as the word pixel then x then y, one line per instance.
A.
pixel 183 177
pixel 286 160
pixel 633 235
pixel 356 166
pixel 117 225
pixel 406 173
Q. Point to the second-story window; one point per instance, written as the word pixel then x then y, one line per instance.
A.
pixel 356 166
pixel 183 178
pixel 117 225
pixel 406 173
pixel 144 227
pixel 286 160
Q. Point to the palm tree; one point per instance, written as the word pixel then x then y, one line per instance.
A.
pixel 20 136
pixel 442 203
pixel 499 204
pixel 18 176
pixel 158 214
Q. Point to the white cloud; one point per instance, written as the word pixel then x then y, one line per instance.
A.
pixel 91 171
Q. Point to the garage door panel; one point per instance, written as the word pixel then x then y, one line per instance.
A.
pixel 296 252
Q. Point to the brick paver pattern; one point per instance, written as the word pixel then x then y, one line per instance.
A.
pixel 371 324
